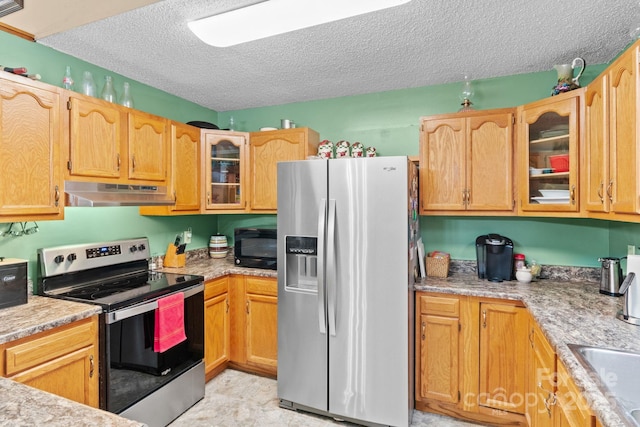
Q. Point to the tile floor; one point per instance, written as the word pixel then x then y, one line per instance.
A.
pixel 235 398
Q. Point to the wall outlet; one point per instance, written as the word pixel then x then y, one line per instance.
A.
pixel 631 249
pixel 186 236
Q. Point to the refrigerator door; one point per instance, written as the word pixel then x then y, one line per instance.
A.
pixel 369 300
pixel 302 337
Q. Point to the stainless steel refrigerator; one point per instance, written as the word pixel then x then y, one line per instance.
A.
pixel 347 262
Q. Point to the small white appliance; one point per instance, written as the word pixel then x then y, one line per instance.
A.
pixel 630 288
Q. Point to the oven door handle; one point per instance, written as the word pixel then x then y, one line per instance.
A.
pixel 118 315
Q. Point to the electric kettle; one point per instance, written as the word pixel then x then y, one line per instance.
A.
pixel 610 276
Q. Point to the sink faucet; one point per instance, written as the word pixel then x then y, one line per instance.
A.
pixel 630 288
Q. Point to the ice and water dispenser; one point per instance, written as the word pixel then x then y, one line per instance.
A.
pixel 301 263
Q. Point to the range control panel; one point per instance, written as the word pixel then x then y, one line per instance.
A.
pixel 70 258
pixel 103 251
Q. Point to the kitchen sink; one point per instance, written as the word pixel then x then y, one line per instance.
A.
pixel 617 373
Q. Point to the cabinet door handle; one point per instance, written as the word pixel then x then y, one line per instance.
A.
pixel 531 338
pixel 118 162
pixel 551 399
pixel 424 327
pixel 600 188
pixel 484 318
pixel 609 188
pixel 133 163
pixel 227 302
pixel 91 366
pixel 573 194
pixel 247 307
pixel 57 195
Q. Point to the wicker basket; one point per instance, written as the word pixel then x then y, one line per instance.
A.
pixel 437 267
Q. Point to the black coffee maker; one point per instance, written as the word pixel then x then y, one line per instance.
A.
pixel 495 257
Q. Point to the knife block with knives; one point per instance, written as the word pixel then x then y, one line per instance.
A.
pixel 175 256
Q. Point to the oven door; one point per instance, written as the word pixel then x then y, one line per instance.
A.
pixel 132 370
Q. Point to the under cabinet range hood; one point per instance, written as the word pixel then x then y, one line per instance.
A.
pixel 105 194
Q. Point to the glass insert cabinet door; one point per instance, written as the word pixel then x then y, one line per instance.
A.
pixel 225 154
pixel 549 159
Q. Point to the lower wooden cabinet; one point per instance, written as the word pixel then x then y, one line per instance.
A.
pixel 541 398
pixel 573 409
pixel 438 348
pixel 254 324
pixel 470 358
pixel 503 350
pixel 217 326
pixel 62 361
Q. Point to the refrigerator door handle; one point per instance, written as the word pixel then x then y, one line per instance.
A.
pixel 331 267
pixel 322 221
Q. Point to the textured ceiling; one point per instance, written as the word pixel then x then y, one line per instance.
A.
pixel 424 42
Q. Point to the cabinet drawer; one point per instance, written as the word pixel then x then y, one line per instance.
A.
pixel 43 347
pixel 443 306
pixel 215 287
pixel 262 285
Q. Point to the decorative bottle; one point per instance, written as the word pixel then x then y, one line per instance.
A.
pixel 67 80
pixel 108 94
pixel 88 84
pixel 126 99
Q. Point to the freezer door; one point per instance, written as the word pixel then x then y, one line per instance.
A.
pixel 368 291
pixel 302 337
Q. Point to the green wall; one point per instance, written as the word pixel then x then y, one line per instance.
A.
pixel 389 121
pixel 386 120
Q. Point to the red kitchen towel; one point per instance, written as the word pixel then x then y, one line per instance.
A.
pixel 169 328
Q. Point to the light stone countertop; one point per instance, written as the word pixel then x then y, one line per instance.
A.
pixel 22 405
pixel 26 406
pixel 568 312
pixel 40 314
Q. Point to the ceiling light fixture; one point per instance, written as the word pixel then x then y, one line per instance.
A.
pixel 10 6
pixel 272 17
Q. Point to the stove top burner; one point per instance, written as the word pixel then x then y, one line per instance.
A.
pixel 120 292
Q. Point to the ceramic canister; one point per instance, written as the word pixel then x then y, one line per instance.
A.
pixel 218 246
pixel 342 149
pixel 357 149
pixel 325 149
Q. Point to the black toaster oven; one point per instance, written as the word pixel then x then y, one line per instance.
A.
pixel 256 247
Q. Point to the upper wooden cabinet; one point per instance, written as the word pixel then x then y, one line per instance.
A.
pixel 148 138
pixel 30 136
pixel 548 144
pixel 224 155
pixel 268 148
pixel 185 170
pixel 466 163
pixel 611 153
pixel 111 143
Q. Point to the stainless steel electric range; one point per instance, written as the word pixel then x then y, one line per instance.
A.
pixel 136 382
